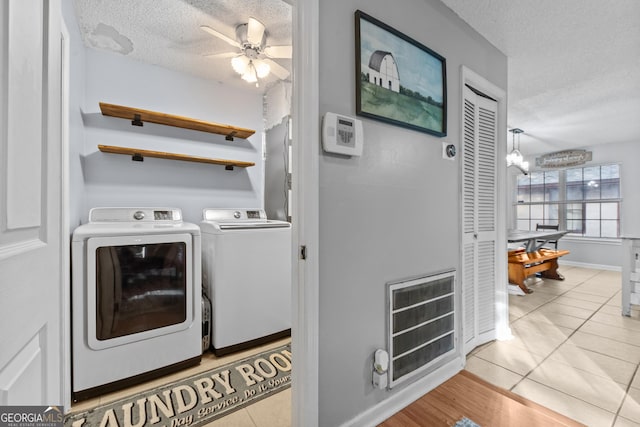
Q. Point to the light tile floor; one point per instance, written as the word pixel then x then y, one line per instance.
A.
pixel 271 411
pixel 572 350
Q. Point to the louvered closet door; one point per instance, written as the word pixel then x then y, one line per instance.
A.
pixel 478 219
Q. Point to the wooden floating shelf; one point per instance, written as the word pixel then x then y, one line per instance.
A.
pixel 138 116
pixel 138 154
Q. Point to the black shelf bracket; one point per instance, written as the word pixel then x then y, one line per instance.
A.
pixel 137 120
pixel 137 157
pixel 230 136
pixel 228 168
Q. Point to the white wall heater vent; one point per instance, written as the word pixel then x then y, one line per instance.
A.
pixel 421 324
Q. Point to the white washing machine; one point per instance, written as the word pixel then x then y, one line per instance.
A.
pixel 136 298
pixel 246 269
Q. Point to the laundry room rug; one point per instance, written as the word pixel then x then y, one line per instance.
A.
pixel 465 422
pixel 198 399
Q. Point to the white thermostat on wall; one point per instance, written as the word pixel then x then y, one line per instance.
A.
pixel 342 134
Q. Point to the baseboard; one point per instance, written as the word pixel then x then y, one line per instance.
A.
pixel 587 265
pixel 403 398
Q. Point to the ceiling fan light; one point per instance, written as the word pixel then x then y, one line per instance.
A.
pixel 249 75
pixel 262 69
pixel 239 64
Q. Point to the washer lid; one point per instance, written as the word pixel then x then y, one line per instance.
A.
pixel 240 225
pixel 238 219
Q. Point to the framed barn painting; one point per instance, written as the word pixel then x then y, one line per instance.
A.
pixel 399 80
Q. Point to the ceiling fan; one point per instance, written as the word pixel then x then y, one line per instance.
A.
pixel 253 61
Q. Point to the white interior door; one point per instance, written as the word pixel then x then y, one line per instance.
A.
pixel 31 255
pixel 479 218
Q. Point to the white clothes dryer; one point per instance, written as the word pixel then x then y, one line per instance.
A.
pixel 246 269
pixel 136 298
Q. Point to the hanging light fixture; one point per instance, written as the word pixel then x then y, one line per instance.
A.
pixel 515 158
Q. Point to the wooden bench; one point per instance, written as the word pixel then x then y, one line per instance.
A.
pixel 523 264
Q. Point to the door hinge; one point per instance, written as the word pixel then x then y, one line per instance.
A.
pixel 303 252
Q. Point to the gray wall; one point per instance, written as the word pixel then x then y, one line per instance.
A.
pixel 392 213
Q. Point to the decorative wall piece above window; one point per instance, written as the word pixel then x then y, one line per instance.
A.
pixel 561 159
pixel 399 80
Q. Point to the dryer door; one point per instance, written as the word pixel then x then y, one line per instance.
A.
pixel 137 287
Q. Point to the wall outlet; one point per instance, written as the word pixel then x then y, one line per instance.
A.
pixel 380 380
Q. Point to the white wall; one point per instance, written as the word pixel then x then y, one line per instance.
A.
pixel 392 213
pixel 604 253
pixel 116 180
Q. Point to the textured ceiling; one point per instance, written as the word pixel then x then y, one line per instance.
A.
pixel 574 67
pixel 167 32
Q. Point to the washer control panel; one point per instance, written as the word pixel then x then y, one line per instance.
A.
pixel 222 215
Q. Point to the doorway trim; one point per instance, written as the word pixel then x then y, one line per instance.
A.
pixel 65 243
pixel 475 80
pixel 305 189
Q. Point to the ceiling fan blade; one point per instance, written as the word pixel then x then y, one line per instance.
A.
pixel 278 51
pixel 277 69
pixel 255 31
pixel 221 55
pixel 221 36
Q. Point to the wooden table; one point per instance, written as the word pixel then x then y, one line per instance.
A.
pixel 532 237
pixel 533 258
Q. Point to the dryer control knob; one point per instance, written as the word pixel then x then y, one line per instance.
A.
pixel 237 214
pixel 138 215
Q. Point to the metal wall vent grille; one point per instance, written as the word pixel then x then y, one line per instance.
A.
pixel 421 324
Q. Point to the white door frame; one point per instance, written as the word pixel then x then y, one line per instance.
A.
pixel 305 186
pixel 306 124
pixel 65 244
pixel 475 80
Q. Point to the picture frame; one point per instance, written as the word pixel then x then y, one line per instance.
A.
pixel 399 80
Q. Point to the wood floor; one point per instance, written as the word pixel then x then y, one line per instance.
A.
pixel 466 395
